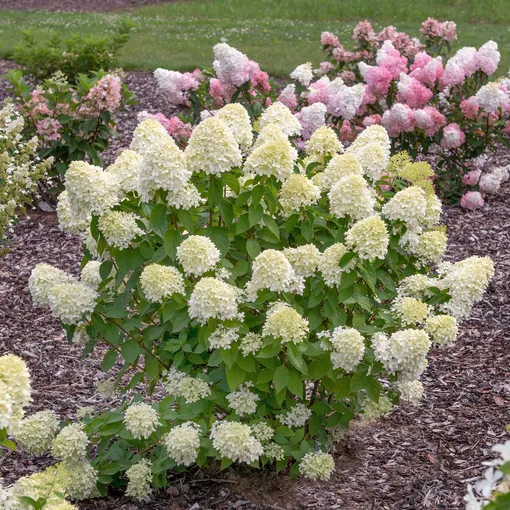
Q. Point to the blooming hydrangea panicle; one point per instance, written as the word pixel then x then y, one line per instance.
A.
pixel 312 118
pixel 119 228
pixel 373 157
pixel 323 142
pixel 371 410
pixel 237 119
pixel 197 255
pixel 127 169
pixel 42 280
pixel 284 323
pixel 410 311
pixel 431 246
pixel 183 443
pixel 296 416
pixel 350 196
pixel 472 200
pixel 347 348
pixel 303 74
pixel 442 329
pixel 317 466
pixel 329 264
pixel 243 401
pixel 35 434
pixel 79 479
pixel 222 337
pixel 280 115
pixel 141 420
pixel 453 137
pixel 235 441
pixel 139 477
pixel 410 391
pixel 175 85
pixel 212 148
pixel 250 343
pixel 71 443
pixel 341 165
pixel 408 205
pixel 90 274
pixel 192 389
pixel 160 282
pixel 212 298
pixel 303 259
pixel 67 220
pixel 232 67
pixel 70 301
pixel 297 192
pixel 368 238
pixel 148 134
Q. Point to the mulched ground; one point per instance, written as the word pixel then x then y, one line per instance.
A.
pixel 418 457
pixel 77 5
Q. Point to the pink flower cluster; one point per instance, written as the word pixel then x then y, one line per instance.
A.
pixel 174 126
pixel 49 129
pixel 105 94
pixel 176 86
pixel 432 28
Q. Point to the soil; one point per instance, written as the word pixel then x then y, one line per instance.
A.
pixel 77 5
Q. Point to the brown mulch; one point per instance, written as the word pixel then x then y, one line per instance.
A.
pixel 418 457
pixel 77 5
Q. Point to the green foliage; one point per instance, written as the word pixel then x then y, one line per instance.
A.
pixel 71 56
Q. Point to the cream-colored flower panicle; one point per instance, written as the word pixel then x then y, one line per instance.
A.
pixel 329 264
pixel 119 228
pixel 323 142
pixel 212 148
pixel 350 196
pixel 368 238
pixel 160 282
pixel 297 192
pixel 285 324
pixel 212 298
pixel 235 441
pixel 148 134
pixel 340 166
pixel 42 279
pixel 36 433
pixel 303 259
pixel 71 443
pixel 197 255
pixel 141 420
pixel 279 114
pixel 127 170
pixel 347 348
pixel 70 301
pixel 243 401
pixel 183 443
pixel 317 466
pixel 139 477
pixel 237 119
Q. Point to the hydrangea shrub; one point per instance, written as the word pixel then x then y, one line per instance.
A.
pixel 20 168
pixel 258 298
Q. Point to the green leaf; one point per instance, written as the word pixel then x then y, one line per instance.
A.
pixel 257 193
pixel 272 225
pixel 243 224
pixel 219 236
pixel 253 248
pixel 281 378
pixel 231 181
pixel 235 377
pixel 346 258
pixel 296 359
pixel 130 350
pixel 105 269
pixel 7 443
pixel 109 360
pixel 295 385
pixel 255 213
pixel 215 192
pixel 171 241
pixel 348 279
pixel 158 219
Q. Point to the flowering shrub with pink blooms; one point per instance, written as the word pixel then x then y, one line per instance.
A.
pixel 72 122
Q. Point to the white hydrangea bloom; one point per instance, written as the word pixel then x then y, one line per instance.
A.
pixel 374 159
pixel 42 280
pixel 410 311
pixel 127 169
pixel 371 410
pixel 237 119
pixel 192 389
pixel 347 348
pixel 119 228
pixel 17 390
pixel 329 264
pixel 433 212
pixel 296 192
pixel 139 477
pixel 36 433
pixel 68 221
pixel 212 298
pixel 410 391
pixel 148 134
pixel 186 198
pixel 243 401
pixel 197 255
pixel 296 417
pixel 262 431
pixel 350 196
pixel 272 270
pixel 230 65
pixel 341 165
pixel 279 114
pixel 317 466
pixel 284 323
pixel 160 282
pixel 163 167
pixel 6 406
pixel 408 205
pixel 442 329
pixel 45 484
pixel 90 190
pixel 234 441
pixel 312 118
pixel 466 282
pixel 212 148
pixel 90 274
pixel 79 479
pixel 368 238
pixel 491 97
pixel 141 420
pixel 323 142
pixel 70 301
pixel 414 285
pixel 372 134
pixel 303 259
pixel 268 133
pixel 431 246
pixel 303 74
pixel 404 352
pixel 183 443
pixel 250 343
pixel 274 157
pixel 222 337
pixel 171 379
pixel 70 444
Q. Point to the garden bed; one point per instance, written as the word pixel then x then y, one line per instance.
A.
pixel 418 457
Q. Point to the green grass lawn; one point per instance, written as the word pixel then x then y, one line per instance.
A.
pixel 279 34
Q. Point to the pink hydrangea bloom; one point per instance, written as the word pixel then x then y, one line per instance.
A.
pixel 453 137
pixel 232 67
pixel 174 126
pixel 363 31
pixel 399 118
pixel 326 67
pixel 453 75
pixel 401 41
pixel 470 108
pixel 343 101
pixel 426 69
pixel 430 120
pixel 412 92
pixel 288 97
pixel 488 57
pixel 197 74
pixel 342 55
pixel 472 177
pixel 260 79
pixel 312 118
pixel 176 86
pixel 472 200
pixel 372 120
pixel 347 76
pixel 220 93
pixel 391 59
pixel 489 183
pixel 377 78
pixel 105 95
pixel 329 39
pixel 48 128
pixel 319 91
pixel 432 28
pixel 37 103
